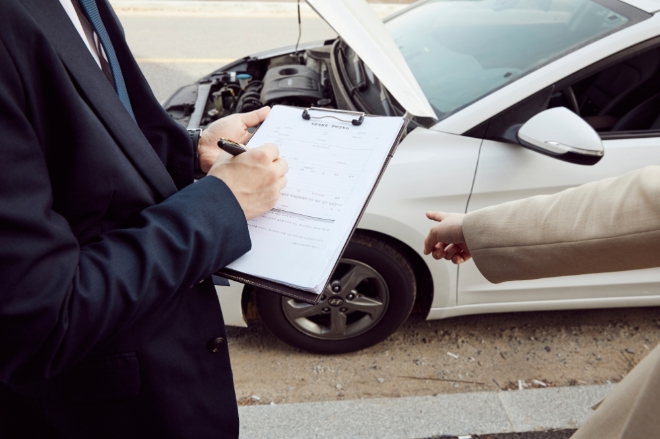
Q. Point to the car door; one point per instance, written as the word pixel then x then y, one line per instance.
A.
pixel 507 172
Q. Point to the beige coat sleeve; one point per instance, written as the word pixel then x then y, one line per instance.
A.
pixel 608 225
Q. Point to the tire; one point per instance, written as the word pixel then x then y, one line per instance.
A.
pixel 379 298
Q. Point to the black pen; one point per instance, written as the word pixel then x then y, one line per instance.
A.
pixel 233 148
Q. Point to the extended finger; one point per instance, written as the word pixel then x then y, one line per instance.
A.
pixel 254 118
pixel 436 216
pixel 430 242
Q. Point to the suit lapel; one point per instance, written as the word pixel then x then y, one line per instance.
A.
pixel 99 93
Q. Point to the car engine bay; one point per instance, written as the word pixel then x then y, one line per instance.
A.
pixel 297 79
pixel 327 76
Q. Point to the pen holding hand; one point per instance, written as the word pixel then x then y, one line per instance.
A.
pixel 231 127
pixel 255 176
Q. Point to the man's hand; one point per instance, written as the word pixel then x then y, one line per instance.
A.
pixel 446 240
pixel 232 127
pixel 255 177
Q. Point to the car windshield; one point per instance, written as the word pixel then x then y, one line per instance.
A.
pixel 463 50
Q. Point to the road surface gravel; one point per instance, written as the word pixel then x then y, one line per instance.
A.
pixel 463 354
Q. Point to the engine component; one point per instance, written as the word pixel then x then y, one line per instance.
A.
pixel 243 79
pixel 288 82
pixel 248 100
pixel 223 100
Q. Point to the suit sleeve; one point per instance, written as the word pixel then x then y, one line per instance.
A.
pixel 60 300
pixel 609 225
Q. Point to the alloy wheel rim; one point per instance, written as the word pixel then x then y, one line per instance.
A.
pixel 352 303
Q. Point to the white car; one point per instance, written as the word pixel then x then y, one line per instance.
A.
pixel 506 98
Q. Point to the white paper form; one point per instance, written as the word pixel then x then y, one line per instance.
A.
pixel 333 167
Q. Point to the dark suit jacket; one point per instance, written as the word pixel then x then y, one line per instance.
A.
pixel 104 324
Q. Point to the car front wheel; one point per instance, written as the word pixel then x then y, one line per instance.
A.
pixel 369 296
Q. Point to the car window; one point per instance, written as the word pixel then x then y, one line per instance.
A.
pixel 460 51
pixel 621 97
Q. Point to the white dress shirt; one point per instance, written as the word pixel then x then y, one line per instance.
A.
pixel 89 37
pixel 84 33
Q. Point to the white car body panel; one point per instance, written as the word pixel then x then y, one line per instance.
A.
pixel 361 28
pixel 551 305
pixel 510 172
pixel 505 97
pixel 417 179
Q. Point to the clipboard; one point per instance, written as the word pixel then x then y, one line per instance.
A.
pixel 356 119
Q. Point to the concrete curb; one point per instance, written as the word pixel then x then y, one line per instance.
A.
pixel 425 416
pixel 228 8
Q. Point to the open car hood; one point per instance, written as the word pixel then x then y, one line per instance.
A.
pixel 360 27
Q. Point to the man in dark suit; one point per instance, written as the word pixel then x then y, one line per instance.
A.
pixel 109 322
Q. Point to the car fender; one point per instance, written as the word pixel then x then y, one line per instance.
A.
pixel 442 290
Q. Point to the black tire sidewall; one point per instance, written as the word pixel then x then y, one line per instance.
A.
pixel 401 300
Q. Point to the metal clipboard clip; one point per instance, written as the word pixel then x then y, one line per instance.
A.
pixel 357 121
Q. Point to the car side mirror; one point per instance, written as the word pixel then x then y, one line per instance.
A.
pixel 561 134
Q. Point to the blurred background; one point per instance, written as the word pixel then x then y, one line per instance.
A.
pixel 177 42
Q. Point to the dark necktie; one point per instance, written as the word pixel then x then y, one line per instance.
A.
pixel 92 12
